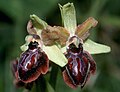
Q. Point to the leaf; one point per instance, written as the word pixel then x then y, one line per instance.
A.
pixel 55 55
pixel 69 17
pixel 83 29
pixel 95 48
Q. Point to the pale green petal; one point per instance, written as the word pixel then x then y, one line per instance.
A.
pixel 95 48
pixel 24 47
pixel 55 55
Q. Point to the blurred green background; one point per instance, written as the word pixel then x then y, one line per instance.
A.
pixel 14 15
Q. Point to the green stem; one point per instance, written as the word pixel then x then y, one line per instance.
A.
pixel 41 84
pixel 53 76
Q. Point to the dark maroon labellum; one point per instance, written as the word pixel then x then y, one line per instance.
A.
pixel 18 82
pixel 80 64
pixel 32 63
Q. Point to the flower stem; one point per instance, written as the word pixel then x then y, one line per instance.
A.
pixel 53 76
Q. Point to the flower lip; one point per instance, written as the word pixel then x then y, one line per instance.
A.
pixel 80 63
pixel 78 70
pixel 32 63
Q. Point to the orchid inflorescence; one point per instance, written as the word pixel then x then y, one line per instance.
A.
pixel 68 47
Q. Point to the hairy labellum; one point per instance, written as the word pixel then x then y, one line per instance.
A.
pixel 80 64
pixel 32 63
pixel 17 81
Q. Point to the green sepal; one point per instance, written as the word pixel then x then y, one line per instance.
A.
pixel 55 55
pixel 37 22
pixel 69 17
pixel 93 47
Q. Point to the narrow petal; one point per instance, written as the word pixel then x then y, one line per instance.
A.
pixel 82 30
